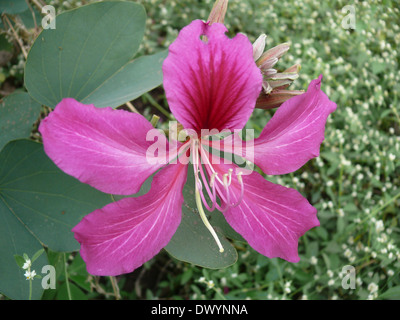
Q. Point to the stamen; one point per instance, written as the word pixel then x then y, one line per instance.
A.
pixel 212 179
pixel 230 176
pixel 213 195
pixel 239 177
pixel 206 222
pixel 226 186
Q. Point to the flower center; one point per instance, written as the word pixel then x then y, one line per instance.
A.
pixel 216 185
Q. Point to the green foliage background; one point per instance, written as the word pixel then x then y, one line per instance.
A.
pixel 354 184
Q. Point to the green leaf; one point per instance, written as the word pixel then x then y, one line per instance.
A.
pixel 391 294
pixel 134 79
pixel 89 57
pixel 27 18
pixel 19 260
pixel 41 198
pixel 193 242
pixel 74 292
pixel 18 113
pixel 14 239
pixel 37 255
pixel 13 6
pixel 39 205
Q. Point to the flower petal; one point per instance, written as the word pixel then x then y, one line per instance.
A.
pixel 104 148
pixel 294 134
pixel 291 138
pixel 270 217
pixel 123 235
pixel 212 84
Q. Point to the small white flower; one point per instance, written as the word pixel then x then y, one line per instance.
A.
pixel 313 260
pixel 223 281
pixel 347 253
pixel 373 287
pixel 27 264
pixel 379 226
pixel 30 275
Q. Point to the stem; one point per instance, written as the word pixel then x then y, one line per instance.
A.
pixel 30 286
pixel 155 104
pixel 21 45
pixel 66 278
pixel 340 186
pixel 37 4
pixel 115 288
pixel 218 292
pixel 131 107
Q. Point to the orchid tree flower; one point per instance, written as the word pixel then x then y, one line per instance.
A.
pixel 212 85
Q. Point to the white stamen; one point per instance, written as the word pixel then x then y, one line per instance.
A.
pixel 206 222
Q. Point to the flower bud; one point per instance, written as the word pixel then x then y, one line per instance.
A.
pixel 274 82
pixel 218 12
pixel 275 98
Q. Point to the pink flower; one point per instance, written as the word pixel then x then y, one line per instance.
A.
pixel 209 85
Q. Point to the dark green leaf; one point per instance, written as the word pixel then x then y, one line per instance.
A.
pixel 19 260
pixel 89 57
pixel 13 6
pixel 18 113
pixel 15 239
pixel 71 292
pixel 37 254
pixel 44 200
pixel 391 294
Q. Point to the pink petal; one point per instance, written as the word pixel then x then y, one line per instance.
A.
pixel 213 84
pixel 104 148
pixel 123 235
pixel 291 138
pixel 294 134
pixel 270 217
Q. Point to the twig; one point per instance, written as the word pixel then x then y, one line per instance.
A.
pixel 16 36
pixel 155 104
pixel 115 288
pixel 33 14
pixel 67 278
pixel 131 107
pixel 37 4
pixel 138 289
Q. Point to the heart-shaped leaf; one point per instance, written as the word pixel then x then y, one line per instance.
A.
pixel 89 57
pixel 18 113
pixel 47 202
